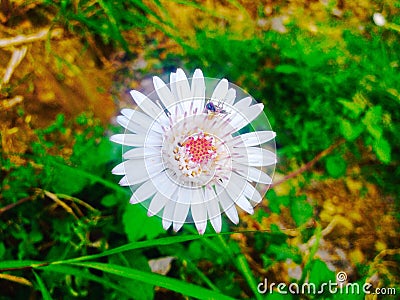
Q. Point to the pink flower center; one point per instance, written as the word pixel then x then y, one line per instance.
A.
pixel 200 148
pixel 196 154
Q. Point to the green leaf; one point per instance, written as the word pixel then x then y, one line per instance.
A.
pixel 383 150
pixel 92 178
pixel 287 69
pixel 319 273
pixel 336 166
pixel 65 179
pixel 138 225
pixel 275 202
pixel 109 200
pixel 373 121
pixel 350 131
pixel 283 251
pixel 301 210
pixel 196 250
pixel 355 108
pixel 172 284
pixel 42 287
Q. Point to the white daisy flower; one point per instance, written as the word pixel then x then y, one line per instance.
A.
pixel 379 19
pixel 196 151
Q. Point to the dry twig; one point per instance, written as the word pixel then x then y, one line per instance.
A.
pixel 60 203
pixel 18 279
pixel 8 103
pixel 12 205
pixel 30 38
pixel 310 164
pixel 16 58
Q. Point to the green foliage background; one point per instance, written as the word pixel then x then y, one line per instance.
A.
pixel 72 233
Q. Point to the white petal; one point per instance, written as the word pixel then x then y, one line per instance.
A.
pixel 119 169
pixel 142 167
pixel 131 126
pixel 244 204
pixel 140 153
pixel 252 194
pixel 243 103
pixel 144 192
pixel 199 211
pixel 137 171
pixel 172 83
pixel 220 91
pixel 127 112
pixel 198 90
pixel 148 106
pixel 165 185
pixel 235 190
pixel 181 207
pixel 246 116
pixel 142 119
pixel 252 139
pixel 235 186
pixel 251 173
pixel 230 96
pixel 254 156
pixel 168 214
pixel 137 140
pixel 165 94
pixel 183 89
pixel 125 182
pixel 229 208
pixel 156 204
pixel 227 205
pixel 213 211
pixel 180 214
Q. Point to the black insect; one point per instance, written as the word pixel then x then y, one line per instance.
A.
pixel 211 107
pixel 215 109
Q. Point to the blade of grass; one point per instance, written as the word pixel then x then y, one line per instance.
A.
pixel 45 292
pixel 137 245
pixel 207 242
pixel 244 268
pixel 108 10
pixel 78 272
pixel 201 275
pixel 160 280
pixel 313 250
pixel 17 264
pixel 242 265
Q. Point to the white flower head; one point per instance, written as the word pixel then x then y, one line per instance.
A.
pixel 379 19
pixel 199 147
